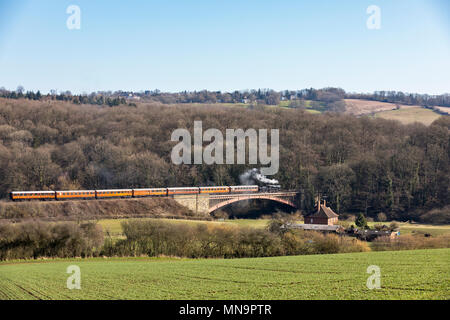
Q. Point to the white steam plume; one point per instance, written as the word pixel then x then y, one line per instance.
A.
pixel 254 175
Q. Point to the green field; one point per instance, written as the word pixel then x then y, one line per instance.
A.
pixel 415 274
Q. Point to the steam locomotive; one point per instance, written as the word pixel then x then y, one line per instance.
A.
pixel 128 193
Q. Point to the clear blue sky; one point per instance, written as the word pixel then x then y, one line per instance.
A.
pixel 176 45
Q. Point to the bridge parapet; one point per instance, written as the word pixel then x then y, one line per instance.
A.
pixel 254 195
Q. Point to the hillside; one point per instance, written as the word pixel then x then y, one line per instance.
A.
pixel 363 164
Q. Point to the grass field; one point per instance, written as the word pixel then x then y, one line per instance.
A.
pixel 410 115
pixel 418 274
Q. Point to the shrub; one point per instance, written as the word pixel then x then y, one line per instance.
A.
pixel 360 221
pixel 297 242
pixel 393 226
pixel 381 217
pixel 219 214
pixel 35 239
pixel 155 238
pixel 381 227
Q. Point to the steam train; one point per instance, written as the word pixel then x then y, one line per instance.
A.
pixel 132 193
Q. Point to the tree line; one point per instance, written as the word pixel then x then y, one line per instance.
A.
pixel 92 98
pixel 324 99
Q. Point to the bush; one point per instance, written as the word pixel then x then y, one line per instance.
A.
pixel 155 238
pixel 297 242
pixel 393 226
pixel 381 217
pixel 361 221
pixel 34 239
pixel 219 214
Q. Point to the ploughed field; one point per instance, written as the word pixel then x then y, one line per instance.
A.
pixel 414 274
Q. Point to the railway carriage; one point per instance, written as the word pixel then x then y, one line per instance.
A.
pixel 75 194
pixel 244 189
pixel 149 192
pixel 222 189
pixel 114 193
pixel 174 191
pixel 32 195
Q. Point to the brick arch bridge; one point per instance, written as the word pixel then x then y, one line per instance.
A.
pixel 205 204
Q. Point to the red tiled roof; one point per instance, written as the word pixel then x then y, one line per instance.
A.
pixel 324 212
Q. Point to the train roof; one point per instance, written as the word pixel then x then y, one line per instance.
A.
pixel 114 190
pixel 75 190
pixel 182 188
pixel 140 189
pixel 28 192
pixel 214 187
pixel 252 186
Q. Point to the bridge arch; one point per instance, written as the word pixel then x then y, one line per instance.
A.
pixel 228 201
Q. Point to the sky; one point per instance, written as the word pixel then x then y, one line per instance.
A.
pixel 177 45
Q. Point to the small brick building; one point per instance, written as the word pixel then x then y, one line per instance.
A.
pixel 323 215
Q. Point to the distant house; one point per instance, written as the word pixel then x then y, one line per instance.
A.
pixel 324 215
pixel 133 97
